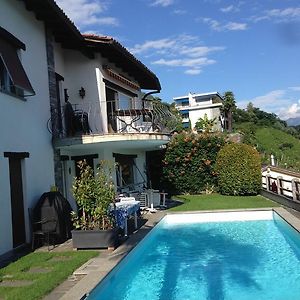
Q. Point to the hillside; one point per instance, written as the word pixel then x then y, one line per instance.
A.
pixel 284 146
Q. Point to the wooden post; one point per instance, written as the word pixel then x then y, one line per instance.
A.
pixel 295 189
pixel 279 185
pixel 268 186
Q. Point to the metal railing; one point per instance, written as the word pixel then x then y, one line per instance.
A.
pixel 111 117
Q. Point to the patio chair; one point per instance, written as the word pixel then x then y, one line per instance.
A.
pixel 42 230
pixel 144 201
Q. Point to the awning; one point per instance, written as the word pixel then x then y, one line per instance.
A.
pixel 15 70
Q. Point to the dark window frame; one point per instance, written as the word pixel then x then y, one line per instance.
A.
pixel 13 78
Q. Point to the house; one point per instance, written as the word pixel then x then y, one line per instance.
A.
pixel 109 117
pixel 67 97
pixel 194 106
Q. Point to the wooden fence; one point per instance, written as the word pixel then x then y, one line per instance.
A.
pixel 283 187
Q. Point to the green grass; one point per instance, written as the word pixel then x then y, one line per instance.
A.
pixel 43 283
pixel 216 201
pixel 270 139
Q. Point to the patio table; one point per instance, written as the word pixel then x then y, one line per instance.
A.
pixel 123 210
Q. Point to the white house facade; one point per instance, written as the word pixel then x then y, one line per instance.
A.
pixel 26 153
pixel 194 106
pixel 102 115
pixel 67 97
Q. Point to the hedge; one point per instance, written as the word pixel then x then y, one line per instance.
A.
pixel 239 170
pixel 189 163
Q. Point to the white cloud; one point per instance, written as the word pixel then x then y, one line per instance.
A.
pixel 185 51
pixel 230 8
pixel 186 62
pixel 295 88
pixel 230 26
pixel 193 71
pixel 179 12
pixel 289 14
pixel 280 102
pixel 163 3
pixel 199 51
pixel 87 12
pixel 292 111
pixel 154 44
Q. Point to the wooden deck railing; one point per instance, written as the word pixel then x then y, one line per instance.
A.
pixel 281 186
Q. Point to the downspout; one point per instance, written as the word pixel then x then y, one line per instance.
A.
pixel 147 94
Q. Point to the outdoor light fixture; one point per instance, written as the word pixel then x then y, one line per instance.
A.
pixel 82 92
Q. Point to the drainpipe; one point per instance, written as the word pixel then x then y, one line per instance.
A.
pixel 147 94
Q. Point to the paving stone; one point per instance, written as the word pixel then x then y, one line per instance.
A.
pixel 38 270
pixel 15 283
pixel 60 258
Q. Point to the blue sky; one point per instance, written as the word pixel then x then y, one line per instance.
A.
pixel 249 47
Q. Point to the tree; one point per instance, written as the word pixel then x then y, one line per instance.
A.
pixel 205 124
pixel 229 106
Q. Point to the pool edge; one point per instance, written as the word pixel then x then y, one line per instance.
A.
pixel 91 280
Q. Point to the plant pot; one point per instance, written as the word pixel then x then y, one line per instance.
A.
pixel 91 239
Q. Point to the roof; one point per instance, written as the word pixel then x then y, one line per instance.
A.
pixel 114 51
pixel 64 30
pixel 194 95
pixel 66 33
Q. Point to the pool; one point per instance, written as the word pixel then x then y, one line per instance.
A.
pixel 236 255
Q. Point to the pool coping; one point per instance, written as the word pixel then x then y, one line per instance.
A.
pixel 98 268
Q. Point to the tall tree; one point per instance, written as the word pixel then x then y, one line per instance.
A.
pixel 229 106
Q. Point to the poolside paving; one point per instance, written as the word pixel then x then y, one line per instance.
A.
pixel 86 277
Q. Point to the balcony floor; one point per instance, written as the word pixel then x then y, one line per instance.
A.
pixel 142 141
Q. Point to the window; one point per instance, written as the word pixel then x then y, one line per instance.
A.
pixel 185 115
pixel 125 102
pixel 13 78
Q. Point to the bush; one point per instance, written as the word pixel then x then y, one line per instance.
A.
pixel 239 170
pixel 93 195
pixel 189 163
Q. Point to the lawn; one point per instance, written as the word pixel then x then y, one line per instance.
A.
pixel 216 201
pixel 39 272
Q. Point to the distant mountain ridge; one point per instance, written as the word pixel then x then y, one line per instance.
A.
pixel 293 121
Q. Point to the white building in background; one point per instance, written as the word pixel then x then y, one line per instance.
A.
pixel 194 106
pixel 66 97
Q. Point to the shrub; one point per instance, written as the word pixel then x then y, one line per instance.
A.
pixel 189 163
pixel 239 170
pixel 93 195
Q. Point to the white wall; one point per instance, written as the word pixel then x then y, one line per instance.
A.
pixel 80 71
pixel 211 112
pixel 104 153
pixel 23 123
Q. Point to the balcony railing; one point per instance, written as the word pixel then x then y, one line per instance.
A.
pixel 111 117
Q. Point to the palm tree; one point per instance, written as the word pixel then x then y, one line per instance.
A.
pixel 227 109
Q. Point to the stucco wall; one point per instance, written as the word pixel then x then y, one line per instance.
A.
pixel 23 123
pixel 196 114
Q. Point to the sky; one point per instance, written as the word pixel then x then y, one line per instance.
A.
pixel 251 48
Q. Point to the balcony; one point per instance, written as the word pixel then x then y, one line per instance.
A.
pixel 112 121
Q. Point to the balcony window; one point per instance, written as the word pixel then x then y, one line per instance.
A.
pixel 125 102
pixel 13 78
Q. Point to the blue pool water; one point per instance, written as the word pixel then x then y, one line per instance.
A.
pixel 212 260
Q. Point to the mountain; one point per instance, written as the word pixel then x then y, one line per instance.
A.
pixel 293 121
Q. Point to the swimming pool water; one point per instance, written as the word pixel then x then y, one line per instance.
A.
pixel 209 260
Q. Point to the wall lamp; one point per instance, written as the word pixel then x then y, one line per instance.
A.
pixel 82 92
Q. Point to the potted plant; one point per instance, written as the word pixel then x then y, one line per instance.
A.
pixel 94 194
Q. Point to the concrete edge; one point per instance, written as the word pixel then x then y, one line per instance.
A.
pixel 93 278
pixel 110 261
pixel 288 217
